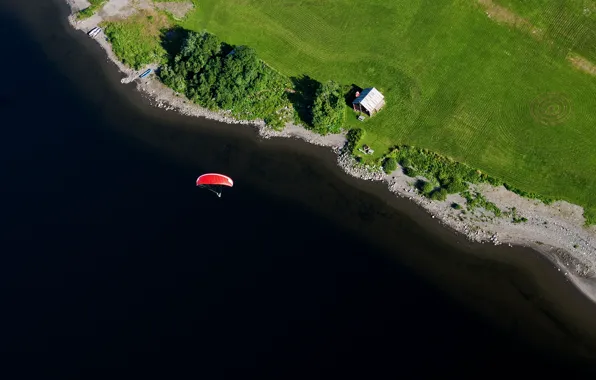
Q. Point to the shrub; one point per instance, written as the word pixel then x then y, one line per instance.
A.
pixel 478 200
pixel 354 136
pixel 454 185
pixel 439 194
pixel 328 111
pixel 411 172
pixel 389 165
pixel 426 187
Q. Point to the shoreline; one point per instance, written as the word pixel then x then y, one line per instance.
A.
pixel 556 230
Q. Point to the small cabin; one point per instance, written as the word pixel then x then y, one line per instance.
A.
pixel 369 101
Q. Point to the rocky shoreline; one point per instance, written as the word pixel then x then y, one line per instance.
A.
pixel 555 230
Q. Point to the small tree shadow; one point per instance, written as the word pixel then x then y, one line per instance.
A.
pixel 226 48
pixel 351 94
pixel 420 184
pixel 302 96
pixel 172 40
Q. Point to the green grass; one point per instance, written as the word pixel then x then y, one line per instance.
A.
pixel 455 81
pixel 136 41
pixel 570 24
pixel 91 9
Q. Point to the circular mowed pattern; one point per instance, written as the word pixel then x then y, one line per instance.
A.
pixel 550 108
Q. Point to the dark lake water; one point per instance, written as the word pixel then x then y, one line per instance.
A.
pixel 114 264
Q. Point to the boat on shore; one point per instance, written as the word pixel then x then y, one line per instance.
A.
pixel 145 73
pixel 94 32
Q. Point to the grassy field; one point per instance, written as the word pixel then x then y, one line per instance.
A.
pixel 136 40
pixel 455 81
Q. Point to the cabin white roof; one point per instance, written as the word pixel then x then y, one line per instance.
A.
pixel 371 99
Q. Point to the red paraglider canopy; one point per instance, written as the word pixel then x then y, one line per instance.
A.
pixel 214 179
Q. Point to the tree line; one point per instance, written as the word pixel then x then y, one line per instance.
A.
pixel 218 76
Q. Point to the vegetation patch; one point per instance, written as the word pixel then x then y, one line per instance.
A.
pixel 328 112
pixel 515 218
pixel 389 165
pixel 476 200
pixel 447 175
pixel 218 76
pixel 136 40
pixel 451 175
pixel 91 9
pixel 354 136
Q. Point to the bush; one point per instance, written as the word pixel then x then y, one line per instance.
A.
pixel 426 187
pixel 439 194
pixel 328 111
pixel 389 165
pixel 517 219
pixel 411 172
pixel 454 185
pixel 456 206
pixel 478 200
pixel 354 136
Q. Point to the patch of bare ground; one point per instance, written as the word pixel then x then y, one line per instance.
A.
pixel 503 15
pixel 121 9
pixel 582 63
pixel 158 22
pixel 78 5
pixel 178 9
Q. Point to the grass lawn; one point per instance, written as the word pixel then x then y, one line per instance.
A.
pixel 455 81
pixel 137 40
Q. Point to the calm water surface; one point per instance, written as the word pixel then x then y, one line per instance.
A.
pixel 114 263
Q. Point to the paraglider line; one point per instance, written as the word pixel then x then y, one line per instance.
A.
pixel 210 189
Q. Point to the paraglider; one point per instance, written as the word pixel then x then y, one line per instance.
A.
pixel 214 182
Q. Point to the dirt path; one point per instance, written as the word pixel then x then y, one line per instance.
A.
pixel 503 15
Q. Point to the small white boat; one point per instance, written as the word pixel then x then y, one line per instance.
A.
pixel 94 32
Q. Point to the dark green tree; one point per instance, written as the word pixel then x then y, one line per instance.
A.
pixel 389 165
pixel 236 81
pixel 328 110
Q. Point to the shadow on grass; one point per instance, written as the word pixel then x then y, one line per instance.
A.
pixel 302 97
pixel 172 40
pixel 351 94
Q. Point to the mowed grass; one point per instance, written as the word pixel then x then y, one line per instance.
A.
pixel 455 81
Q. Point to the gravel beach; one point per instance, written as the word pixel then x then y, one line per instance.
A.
pixel 556 230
